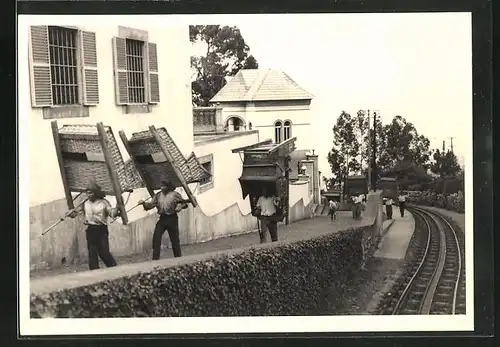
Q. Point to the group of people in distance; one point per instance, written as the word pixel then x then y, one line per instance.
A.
pixel 357 203
pixel 168 202
pixel 389 202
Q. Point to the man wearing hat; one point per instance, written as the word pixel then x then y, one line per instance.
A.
pixel 168 202
pixel 97 210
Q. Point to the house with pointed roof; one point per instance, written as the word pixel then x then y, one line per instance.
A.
pixel 268 100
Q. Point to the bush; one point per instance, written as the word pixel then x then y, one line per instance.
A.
pixel 279 279
pixel 453 202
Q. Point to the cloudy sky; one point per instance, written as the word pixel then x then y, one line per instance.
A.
pixel 416 65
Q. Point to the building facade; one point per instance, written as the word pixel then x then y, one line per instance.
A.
pixel 269 101
pixel 129 78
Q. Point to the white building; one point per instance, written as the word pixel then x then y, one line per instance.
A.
pixel 269 101
pixel 129 78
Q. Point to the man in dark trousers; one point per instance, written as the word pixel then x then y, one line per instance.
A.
pixel 267 206
pixel 168 203
pixel 97 210
pixel 402 203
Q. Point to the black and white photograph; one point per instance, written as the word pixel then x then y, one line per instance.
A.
pixel 249 173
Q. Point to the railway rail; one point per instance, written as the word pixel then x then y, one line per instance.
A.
pixel 437 283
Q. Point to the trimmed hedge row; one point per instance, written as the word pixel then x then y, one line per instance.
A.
pixel 282 279
pixel 452 202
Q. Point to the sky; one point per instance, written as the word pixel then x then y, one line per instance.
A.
pixel 418 66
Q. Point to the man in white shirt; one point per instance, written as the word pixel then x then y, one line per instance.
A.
pixel 332 212
pixel 402 203
pixel 266 205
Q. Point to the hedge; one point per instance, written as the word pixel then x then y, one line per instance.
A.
pixel 279 279
pixel 452 202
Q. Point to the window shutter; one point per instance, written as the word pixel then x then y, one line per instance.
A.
pixel 39 59
pixel 120 70
pixel 154 81
pixel 89 68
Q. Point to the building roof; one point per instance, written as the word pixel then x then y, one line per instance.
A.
pixel 261 85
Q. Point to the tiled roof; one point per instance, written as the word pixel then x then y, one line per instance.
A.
pixel 261 85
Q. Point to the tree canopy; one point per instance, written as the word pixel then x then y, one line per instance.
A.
pixel 400 150
pixel 445 164
pixel 226 53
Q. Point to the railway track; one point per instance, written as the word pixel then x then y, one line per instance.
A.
pixel 436 282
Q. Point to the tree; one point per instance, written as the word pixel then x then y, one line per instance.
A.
pixel 226 54
pixel 445 164
pixel 346 148
pixel 401 142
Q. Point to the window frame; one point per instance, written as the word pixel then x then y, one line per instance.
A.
pixel 150 66
pixel 278 129
pixel 203 187
pixel 287 125
pixel 79 65
pixel 40 72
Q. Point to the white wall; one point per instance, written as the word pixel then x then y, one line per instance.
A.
pixel 264 117
pixel 299 190
pixel 227 168
pixel 173 112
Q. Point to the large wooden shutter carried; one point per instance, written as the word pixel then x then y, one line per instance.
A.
pixel 153 78
pixel 39 66
pixel 120 70
pixel 89 68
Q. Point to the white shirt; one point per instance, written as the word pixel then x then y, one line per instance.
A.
pixel 402 198
pixel 389 202
pixel 97 212
pixel 266 205
pixel 332 204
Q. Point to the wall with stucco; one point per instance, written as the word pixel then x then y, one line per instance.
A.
pixel 263 115
pixel 174 110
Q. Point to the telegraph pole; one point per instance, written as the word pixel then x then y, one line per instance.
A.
pixel 369 151
pixel 374 153
pixel 443 146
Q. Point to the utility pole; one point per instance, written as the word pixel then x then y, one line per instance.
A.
pixel 369 152
pixel 374 153
pixel 451 140
pixel 443 146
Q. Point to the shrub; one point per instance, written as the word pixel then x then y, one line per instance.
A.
pixel 279 279
pixel 453 202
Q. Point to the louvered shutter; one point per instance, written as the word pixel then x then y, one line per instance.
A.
pixel 40 74
pixel 89 68
pixel 153 78
pixel 120 70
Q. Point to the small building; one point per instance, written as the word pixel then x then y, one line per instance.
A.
pixel 267 100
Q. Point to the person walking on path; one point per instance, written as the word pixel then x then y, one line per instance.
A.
pixel 402 204
pixel 97 210
pixel 168 202
pixel 332 212
pixel 388 207
pixel 267 209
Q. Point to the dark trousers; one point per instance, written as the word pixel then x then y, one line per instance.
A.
pixel 388 211
pixel 332 214
pixel 271 226
pixel 402 208
pixel 98 246
pixel 171 224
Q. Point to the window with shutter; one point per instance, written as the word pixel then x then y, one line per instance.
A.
pixel 89 68
pixel 136 71
pixel 56 54
pixel 154 81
